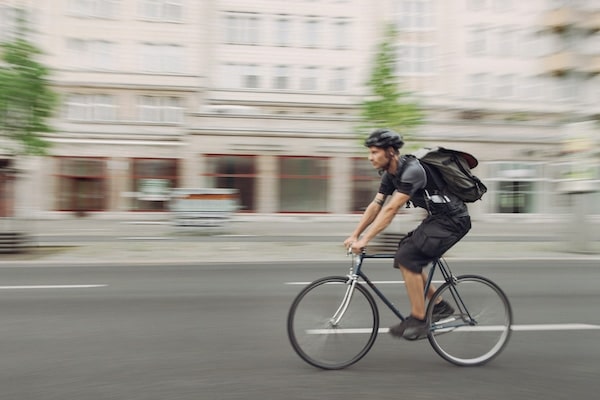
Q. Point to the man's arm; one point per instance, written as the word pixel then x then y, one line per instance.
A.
pixel 382 220
pixel 367 218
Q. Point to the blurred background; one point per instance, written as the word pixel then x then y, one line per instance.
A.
pixel 268 98
pixel 122 120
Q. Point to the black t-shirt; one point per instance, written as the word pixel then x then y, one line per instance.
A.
pixel 416 180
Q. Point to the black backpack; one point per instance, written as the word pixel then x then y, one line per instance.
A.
pixel 455 168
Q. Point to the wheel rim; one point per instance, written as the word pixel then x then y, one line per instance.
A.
pixel 322 344
pixel 477 334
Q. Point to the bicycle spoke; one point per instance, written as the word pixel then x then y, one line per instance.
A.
pixel 480 326
pixel 331 327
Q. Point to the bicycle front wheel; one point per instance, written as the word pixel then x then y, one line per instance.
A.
pixel 480 326
pixel 332 324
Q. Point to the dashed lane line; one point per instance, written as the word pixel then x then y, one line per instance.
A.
pixel 520 328
pixel 28 287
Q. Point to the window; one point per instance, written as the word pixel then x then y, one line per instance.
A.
pixel 312 28
pixel 8 22
pixel 282 77
pixel 477 85
pixel 242 28
pixel 501 5
pixel 308 80
pixel 591 91
pixel 163 10
pixel 160 109
pixel 341 34
pixel 94 8
pixel 339 79
pixel 283 30
pixel 414 14
pixel 591 44
pixel 365 184
pixel 476 5
pixel 152 180
pixel 92 53
pixel 530 88
pixel 504 41
pixel 234 172
pixel 162 58
pixel 580 168
pixel 517 187
pixel 415 59
pixel 91 107
pixel 530 43
pixel 240 76
pixel 505 86
pixel 476 41
pixel 81 184
pixel 303 184
pixel 515 197
pixel 249 75
pixel 566 89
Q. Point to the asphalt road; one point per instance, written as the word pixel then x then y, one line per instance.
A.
pixel 62 239
pixel 218 332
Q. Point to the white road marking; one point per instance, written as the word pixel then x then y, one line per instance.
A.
pixel 491 328
pixel 375 282
pixel 231 235
pixel 555 327
pixel 145 238
pixel 22 287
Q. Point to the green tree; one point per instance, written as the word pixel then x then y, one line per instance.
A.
pixel 26 99
pixel 387 105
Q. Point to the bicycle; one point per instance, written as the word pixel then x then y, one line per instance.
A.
pixel 333 322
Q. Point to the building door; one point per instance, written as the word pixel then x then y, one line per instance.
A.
pixel 81 184
pixel 515 197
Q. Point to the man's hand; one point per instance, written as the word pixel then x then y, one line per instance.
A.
pixel 358 246
pixel 348 242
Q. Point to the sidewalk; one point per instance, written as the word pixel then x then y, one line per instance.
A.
pixel 98 241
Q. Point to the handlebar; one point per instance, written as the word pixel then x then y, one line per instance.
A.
pixel 349 252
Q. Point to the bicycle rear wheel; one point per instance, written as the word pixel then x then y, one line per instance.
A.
pixel 480 326
pixel 326 334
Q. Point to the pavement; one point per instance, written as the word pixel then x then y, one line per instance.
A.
pixel 276 238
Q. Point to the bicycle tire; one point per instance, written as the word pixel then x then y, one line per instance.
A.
pixel 310 331
pixel 480 326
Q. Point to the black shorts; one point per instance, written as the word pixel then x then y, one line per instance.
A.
pixel 430 240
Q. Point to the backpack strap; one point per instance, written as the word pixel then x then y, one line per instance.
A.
pixel 405 159
pixel 437 178
pixel 403 162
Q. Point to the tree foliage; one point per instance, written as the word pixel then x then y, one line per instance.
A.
pixel 26 99
pixel 388 106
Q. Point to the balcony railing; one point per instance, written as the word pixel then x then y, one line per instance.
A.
pixel 561 62
pixel 591 64
pixel 560 19
pixel 590 21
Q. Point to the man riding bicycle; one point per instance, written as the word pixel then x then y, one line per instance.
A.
pixel 406 179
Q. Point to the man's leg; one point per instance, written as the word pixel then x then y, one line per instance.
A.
pixel 414 287
pixel 415 326
pixel 432 288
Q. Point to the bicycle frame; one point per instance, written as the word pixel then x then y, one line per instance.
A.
pixel 319 328
pixel 356 272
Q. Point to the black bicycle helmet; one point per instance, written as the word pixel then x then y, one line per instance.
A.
pixel 383 138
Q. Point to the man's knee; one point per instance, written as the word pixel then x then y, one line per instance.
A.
pixel 410 270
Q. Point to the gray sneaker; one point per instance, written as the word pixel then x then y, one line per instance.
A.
pixel 410 329
pixel 441 310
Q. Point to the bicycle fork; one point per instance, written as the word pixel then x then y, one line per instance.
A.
pixel 337 316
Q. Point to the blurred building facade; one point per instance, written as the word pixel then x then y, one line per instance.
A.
pixel 264 96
